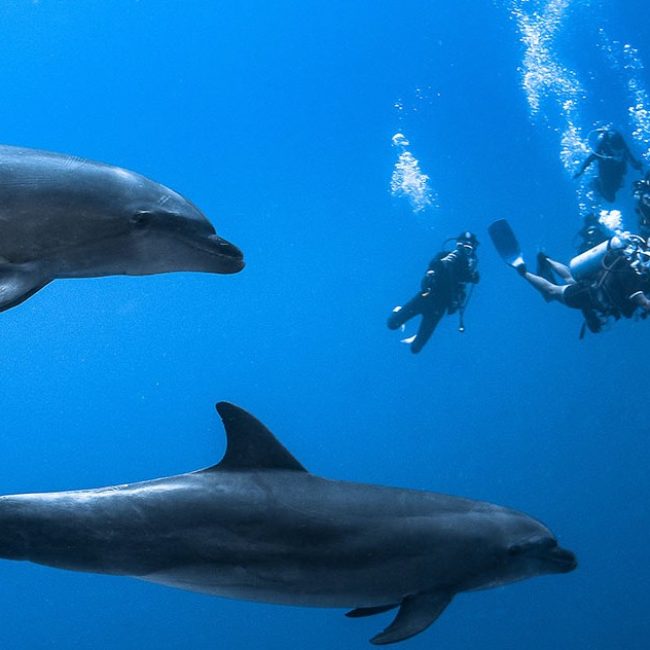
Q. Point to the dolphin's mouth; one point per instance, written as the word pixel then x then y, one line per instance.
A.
pixel 229 258
pixel 563 559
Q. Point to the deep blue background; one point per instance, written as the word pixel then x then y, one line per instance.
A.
pixel 276 119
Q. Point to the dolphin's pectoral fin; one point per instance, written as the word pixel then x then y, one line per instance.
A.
pixel 369 611
pixel 415 615
pixel 251 446
pixel 18 282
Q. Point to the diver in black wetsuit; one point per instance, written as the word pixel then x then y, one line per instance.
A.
pixel 612 154
pixel 442 290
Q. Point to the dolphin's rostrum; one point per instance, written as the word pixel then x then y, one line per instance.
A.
pixel 258 526
pixel 65 217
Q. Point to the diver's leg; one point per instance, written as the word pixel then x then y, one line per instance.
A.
pixel 428 324
pixel 549 290
pixel 561 269
pixel 402 314
pixel 607 187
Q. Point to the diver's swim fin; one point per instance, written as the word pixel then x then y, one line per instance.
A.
pixel 506 243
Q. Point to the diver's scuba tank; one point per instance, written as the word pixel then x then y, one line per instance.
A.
pixel 633 248
pixel 590 262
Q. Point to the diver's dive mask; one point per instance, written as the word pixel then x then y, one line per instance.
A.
pixel 466 243
pixel 466 247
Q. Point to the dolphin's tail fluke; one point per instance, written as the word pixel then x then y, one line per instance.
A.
pixel 18 282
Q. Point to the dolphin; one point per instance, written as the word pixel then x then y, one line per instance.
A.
pixel 66 217
pixel 259 526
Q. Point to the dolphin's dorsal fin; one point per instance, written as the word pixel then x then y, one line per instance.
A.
pixel 415 614
pixel 250 445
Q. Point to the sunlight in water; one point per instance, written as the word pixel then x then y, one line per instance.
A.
pixel 407 179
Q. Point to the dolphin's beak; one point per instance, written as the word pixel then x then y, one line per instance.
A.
pixel 230 258
pixel 562 559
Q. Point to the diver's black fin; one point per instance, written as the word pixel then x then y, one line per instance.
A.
pixel 506 243
pixel 18 282
pixel 250 445
pixel 415 615
pixel 369 611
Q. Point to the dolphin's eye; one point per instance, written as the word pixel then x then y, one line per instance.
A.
pixel 141 218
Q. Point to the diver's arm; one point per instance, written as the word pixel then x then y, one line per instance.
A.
pixel 429 280
pixel 590 158
pixel 462 267
pixel 640 300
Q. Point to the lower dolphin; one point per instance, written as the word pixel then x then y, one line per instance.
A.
pixel 66 217
pixel 258 526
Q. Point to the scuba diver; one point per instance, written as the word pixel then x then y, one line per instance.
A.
pixel 641 190
pixel 610 280
pixel 442 291
pixel 592 233
pixel 612 154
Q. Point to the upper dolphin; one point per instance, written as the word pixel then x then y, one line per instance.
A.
pixel 259 526
pixel 66 217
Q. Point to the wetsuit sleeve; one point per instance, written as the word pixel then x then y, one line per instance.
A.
pixel 634 288
pixel 461 268
pixel 641 300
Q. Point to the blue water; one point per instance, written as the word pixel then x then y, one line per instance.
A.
pixel 276 119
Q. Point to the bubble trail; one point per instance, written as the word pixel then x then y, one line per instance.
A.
pixel 626 60
pixel 553 90
pixel 408 180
